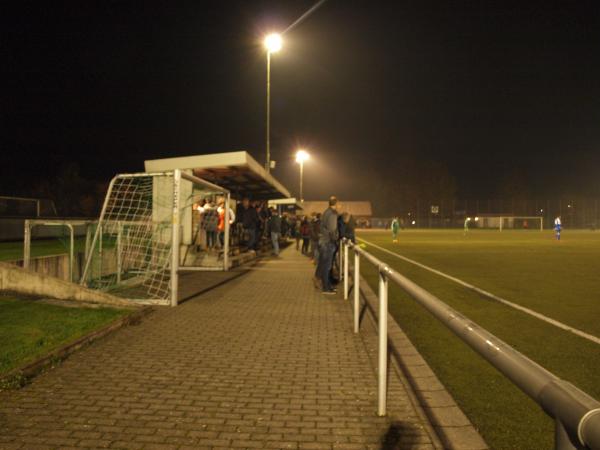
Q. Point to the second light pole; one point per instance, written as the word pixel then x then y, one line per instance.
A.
pixel 273 44
pixel 301 156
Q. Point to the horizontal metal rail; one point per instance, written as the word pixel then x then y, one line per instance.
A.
pixel 576 414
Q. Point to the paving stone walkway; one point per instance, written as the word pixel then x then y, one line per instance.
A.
pixel 263 361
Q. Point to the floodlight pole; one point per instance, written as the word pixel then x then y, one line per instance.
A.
pixel 268 158
pixel 301 180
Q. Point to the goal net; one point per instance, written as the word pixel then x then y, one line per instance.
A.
pixel 145 235
pixel 511 222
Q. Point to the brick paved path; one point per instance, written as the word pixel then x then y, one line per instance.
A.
pixel 263 361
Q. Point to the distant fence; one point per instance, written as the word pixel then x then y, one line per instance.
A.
pixel 574 212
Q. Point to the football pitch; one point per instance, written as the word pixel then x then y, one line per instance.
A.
pixel 11 251
pixel 558 280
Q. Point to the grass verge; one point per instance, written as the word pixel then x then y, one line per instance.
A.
pixel 31 329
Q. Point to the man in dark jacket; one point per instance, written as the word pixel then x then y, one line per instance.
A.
pixel 349 227
pixel 328 237
pixel 315 231
pixel 275 230
pixel 250 221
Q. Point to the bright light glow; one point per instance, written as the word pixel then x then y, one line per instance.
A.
pixel 476 219
pixel 301 156
pixel 468 219
pixel 273 43
pixel 414 222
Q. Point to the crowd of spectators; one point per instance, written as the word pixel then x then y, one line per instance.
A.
pixel 255 226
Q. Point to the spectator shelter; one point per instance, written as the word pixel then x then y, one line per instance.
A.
pixel 237 172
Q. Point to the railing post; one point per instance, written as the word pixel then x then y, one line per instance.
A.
pixel 226 233
pixel 345 246
pixel 383 325
pixel 356 290
pixel 340 260
pixel 561 438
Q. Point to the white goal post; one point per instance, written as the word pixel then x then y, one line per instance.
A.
pixel 502 222
pixel 146 226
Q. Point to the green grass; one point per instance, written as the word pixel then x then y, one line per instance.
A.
pixel 558 279
pixel 31 329
pixel 11 251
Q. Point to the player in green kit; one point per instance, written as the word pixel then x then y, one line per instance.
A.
pixel 395 229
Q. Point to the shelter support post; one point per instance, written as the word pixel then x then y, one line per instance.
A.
pixel 226 233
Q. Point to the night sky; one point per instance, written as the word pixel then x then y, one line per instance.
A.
pixel 482 93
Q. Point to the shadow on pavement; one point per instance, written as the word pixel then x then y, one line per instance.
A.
pixel 400 436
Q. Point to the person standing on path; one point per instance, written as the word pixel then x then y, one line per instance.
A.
pixel 221 226
pixel 315 230
pixel 211 223
pixel 395 229
pixel 275 230
pixel 349 227
pixel 250 222
pixel 296 232
pixel 327 241
pixel 305 234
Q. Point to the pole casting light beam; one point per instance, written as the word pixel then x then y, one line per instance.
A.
pixel 273 44
pixel 301 157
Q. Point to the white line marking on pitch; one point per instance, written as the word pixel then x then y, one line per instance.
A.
pixel 531 312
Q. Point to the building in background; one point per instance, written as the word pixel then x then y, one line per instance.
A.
pixel 361 210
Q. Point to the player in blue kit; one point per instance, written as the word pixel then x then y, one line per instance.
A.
pixel 557 227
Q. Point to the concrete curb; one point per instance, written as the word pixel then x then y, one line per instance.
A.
pixel 20 376
pixel 452 426
pixel 24 282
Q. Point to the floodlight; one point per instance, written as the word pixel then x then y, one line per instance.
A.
pixel 301 156
pixel 414 222
pixel 476 219
pixel 273 43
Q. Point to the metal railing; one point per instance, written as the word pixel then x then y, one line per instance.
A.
pixel 576 414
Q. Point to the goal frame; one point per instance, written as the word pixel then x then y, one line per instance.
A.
pixel 541 218
pixel 175 266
